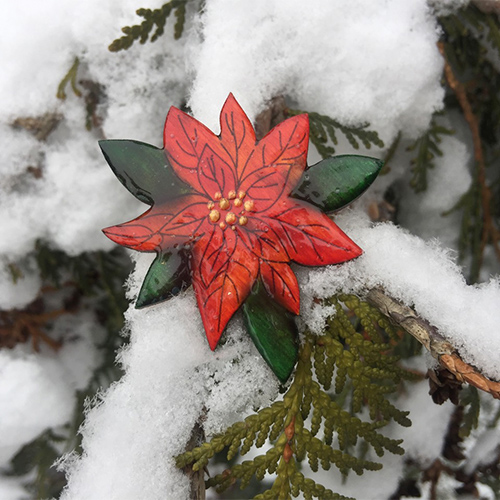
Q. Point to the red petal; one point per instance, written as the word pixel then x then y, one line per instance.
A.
pixel 215 173
pixel 164 226
pixel 278 163
pixel 281 283
pixel 259 238
pixel 237 135
pixel 223 273
pixel 185 140
pixel 309 236
pixel 134 235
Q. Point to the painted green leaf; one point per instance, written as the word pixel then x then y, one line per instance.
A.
pixel 335 182
pixel 273 331
pixel 143 169
pixel 166 277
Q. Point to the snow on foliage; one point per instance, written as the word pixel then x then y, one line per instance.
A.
pixel 359 61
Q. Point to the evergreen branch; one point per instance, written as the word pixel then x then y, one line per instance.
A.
pixel 471 227
pixel 427 147
pixel 93 95
pixel 470 419
pixel 35 460
pixel 481 21
pixel 359 361
pixel 322 131
pixel 152 18
pixel 390 154
pixel 70 78
pixel 429 337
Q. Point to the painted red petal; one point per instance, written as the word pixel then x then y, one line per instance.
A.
pixel 163 226
pixel 261 239
pixel 215 173
pixel 278 163
pixel 281 283
pixel 309 236
pixel 181 220
pixel 223 273
pixel 185 140
pixel 213 253
pixel 237 135
pixel 134 235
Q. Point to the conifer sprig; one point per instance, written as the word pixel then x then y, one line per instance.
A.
pixel 152 18
pixel 323 133
pixel 70 78
pixel 427 148
pixel 357 360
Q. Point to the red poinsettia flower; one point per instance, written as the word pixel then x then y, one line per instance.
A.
pixel 235 218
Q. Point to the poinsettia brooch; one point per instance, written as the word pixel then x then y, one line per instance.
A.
pixel 230 213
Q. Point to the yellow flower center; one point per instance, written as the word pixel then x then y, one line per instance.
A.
pixel 231 208
pixel 214 215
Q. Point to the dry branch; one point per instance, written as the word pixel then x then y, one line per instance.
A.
pixel 427 334
pixel 489 232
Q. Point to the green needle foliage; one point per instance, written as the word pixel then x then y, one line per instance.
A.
pixel 152 18
pixel 323 133
pixel 93 274
pixel 70 78
pixel 37 458
pixel 471 228
pixel 470 35
pixel 352 355
pixel 427 148
pixel 469 399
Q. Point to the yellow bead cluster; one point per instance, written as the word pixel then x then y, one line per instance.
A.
pixel 224 204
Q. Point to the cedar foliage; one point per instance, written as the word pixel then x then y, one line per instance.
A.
pixel 353 355
pixel 427 148
pixel 352 366
pixel 152 18
pixel 322 133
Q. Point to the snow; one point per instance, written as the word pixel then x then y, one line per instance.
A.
pixel 329 57
pixel 172 380
pixel 37 390
pixel 357 61
pixel 11 489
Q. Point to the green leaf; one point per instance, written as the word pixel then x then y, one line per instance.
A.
pixel 166 277
pixel 273 331
pixel 143 169
pixel 335 182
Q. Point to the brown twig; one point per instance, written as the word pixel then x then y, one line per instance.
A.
pixel 196 478
pixel 467 373
pixel 17 326
pixel 429 337
pixel 489 231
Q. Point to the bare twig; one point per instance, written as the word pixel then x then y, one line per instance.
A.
pixel 429 337
pixel 489 232
pixel 196 478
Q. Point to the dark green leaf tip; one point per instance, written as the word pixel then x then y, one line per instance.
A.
pixel 167 276
pixel 273 331
pixel 143 169
pixel 336 182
